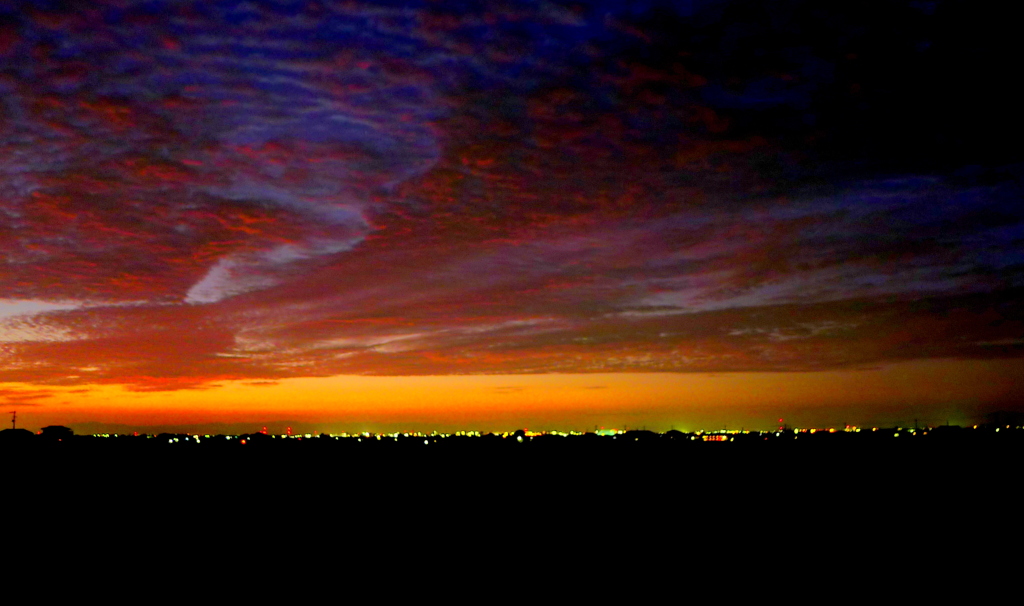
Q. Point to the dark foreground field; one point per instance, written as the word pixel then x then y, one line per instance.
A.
pixel 642 474
pixel 645 509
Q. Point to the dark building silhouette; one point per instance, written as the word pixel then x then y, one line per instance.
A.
pixel 56 432
pixel 15 436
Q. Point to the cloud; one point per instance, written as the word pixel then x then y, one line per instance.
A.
pixel 257 192
pixel 509 389
pixel 24 397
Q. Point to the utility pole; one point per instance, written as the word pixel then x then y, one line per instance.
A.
pixel 14 419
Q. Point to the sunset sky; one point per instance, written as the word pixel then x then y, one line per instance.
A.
pixel 489 215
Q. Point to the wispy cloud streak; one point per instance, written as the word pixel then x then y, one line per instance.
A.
pixel 199 191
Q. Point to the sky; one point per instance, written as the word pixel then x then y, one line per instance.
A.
pixel 488 215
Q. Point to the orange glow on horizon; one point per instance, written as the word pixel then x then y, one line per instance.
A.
pixel 935 391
